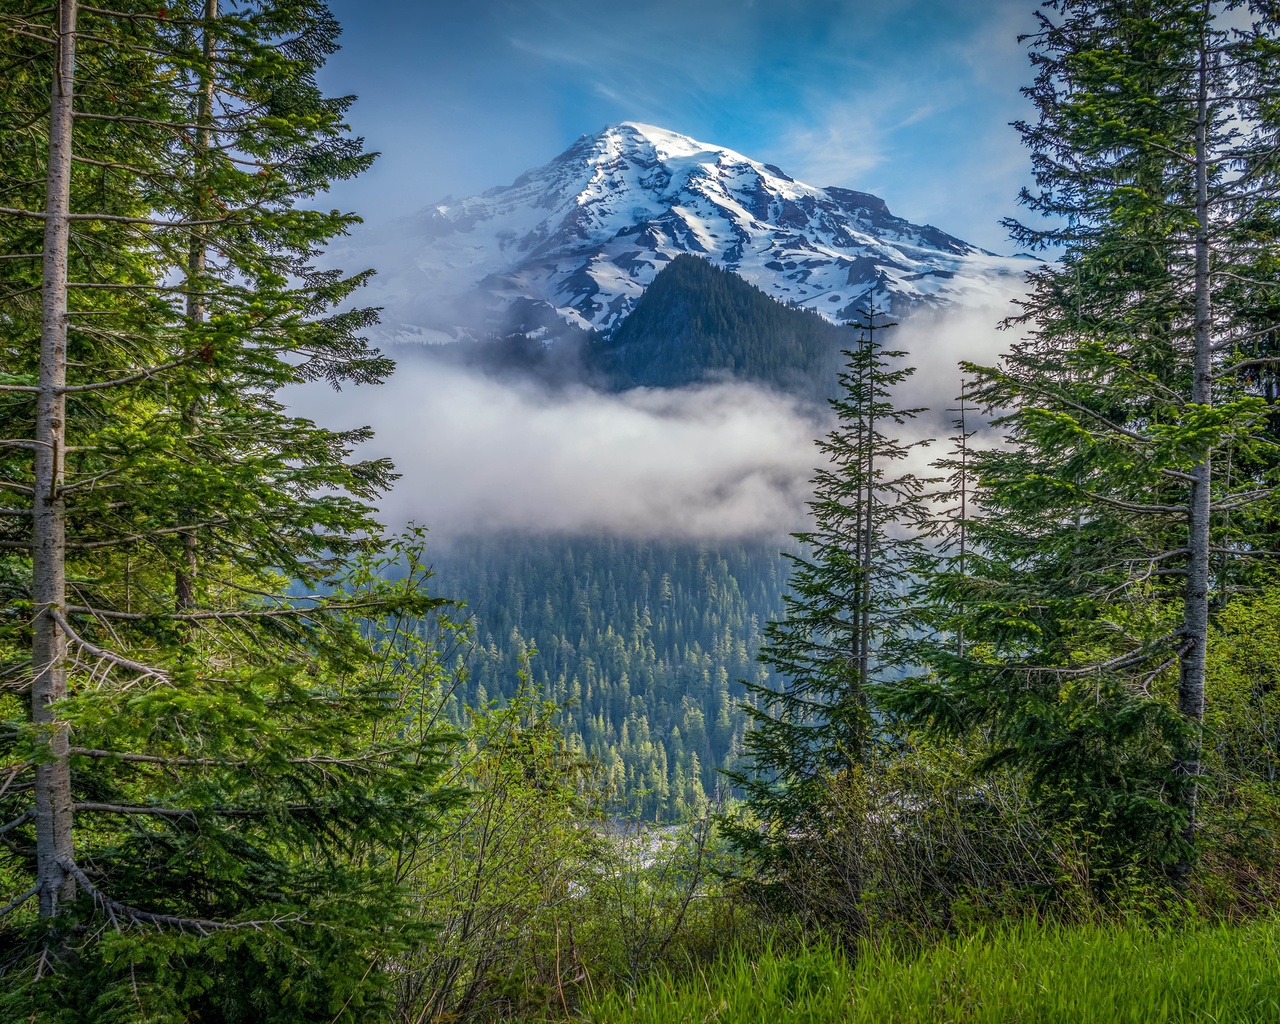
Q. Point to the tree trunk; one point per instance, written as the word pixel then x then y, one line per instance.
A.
pixel 1195 623
pixel 964 506
pixel 54 840
pixel 197 260
pixel 867 527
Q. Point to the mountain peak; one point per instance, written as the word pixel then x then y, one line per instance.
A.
pixel 666 143
pixel 579 239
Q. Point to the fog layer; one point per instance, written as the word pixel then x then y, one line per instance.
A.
pixel 725 460
pixel 478 455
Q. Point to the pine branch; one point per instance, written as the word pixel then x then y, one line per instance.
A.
pixel 242 613
pixel 164 19
pixel 115 910
pixel 153 758
pixel 1235 368
pixel 94 545
pixel 213 762
pixel 1240 339
pixel 1120 661
pixel 163 812
pixel 15 903
pixel 118 219
pixel 1139 507
pixel 21 819
pixel 75 389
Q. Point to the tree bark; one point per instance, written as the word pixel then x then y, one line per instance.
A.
pixel 54 838
pixel 197 260
pixel 964 505
pixel 1195 623
pixel 867 527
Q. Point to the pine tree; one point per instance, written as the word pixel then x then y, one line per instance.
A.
pixel 203 747
pixel 845 611
pixel 1087 592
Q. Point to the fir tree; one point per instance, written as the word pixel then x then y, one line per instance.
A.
pixel 845 612
pixel 1086 595
pixel 212 766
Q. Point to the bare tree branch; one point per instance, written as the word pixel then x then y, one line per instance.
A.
pixel 1133 506
pixel 146 671
pixel 244 613
pixel 161 812
pixel 21 819
pixel 1245 364
pixel 129 539
pixel 151 371
pixel 115 908
pixel 15 903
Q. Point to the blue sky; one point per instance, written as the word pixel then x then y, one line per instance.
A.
pixel 908 99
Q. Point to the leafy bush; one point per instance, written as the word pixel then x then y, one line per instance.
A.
pixel 538 894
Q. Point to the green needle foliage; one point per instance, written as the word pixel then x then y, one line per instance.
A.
pixel 1140 457
pixel 227 730
pixel 245 821
pixel 844 614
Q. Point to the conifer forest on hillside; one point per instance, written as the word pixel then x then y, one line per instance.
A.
pixel 993 735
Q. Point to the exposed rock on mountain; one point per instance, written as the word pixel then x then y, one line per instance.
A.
pixel 576 242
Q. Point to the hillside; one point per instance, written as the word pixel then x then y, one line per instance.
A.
pixel 698 321
pixel 643 643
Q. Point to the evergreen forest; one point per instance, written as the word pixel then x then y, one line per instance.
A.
pixel 699 322
pixel 994 736
pixel 644 646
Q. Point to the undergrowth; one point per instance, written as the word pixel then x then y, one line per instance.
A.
pixel 1025 974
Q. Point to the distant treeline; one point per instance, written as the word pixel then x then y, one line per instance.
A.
pixel 644 643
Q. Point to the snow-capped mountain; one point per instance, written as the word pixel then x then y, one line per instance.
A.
pixel 578 240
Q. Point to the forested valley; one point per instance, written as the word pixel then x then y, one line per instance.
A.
pixel 644 647
pixel 993 736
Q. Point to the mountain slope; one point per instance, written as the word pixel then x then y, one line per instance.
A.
pixel 578 240
pixel 698 322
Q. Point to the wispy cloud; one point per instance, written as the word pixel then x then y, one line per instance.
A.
pixel 919 114
pixel 725 460
pixel 926 128
pixel 652 56
pixel 477 455
pixel 840 149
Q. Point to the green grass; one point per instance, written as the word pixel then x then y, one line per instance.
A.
pixel 1029 975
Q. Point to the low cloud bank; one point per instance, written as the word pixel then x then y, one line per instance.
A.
pixel 726 460
pixel 479 455
pixel 936 343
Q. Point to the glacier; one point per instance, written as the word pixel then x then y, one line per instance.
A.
pixel 575 242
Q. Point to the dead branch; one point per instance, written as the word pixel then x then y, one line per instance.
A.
pixel 145 671
pixel 15 903
pixel 21 819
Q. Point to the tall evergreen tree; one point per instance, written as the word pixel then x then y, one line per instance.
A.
pixel 1087 600
pixel 202 748
pixel 845 611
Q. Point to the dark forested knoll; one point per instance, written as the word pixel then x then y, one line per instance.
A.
pixel 643 642
pixel 698 322
pixel 695 323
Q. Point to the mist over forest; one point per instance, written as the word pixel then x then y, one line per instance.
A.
pixel 568 512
